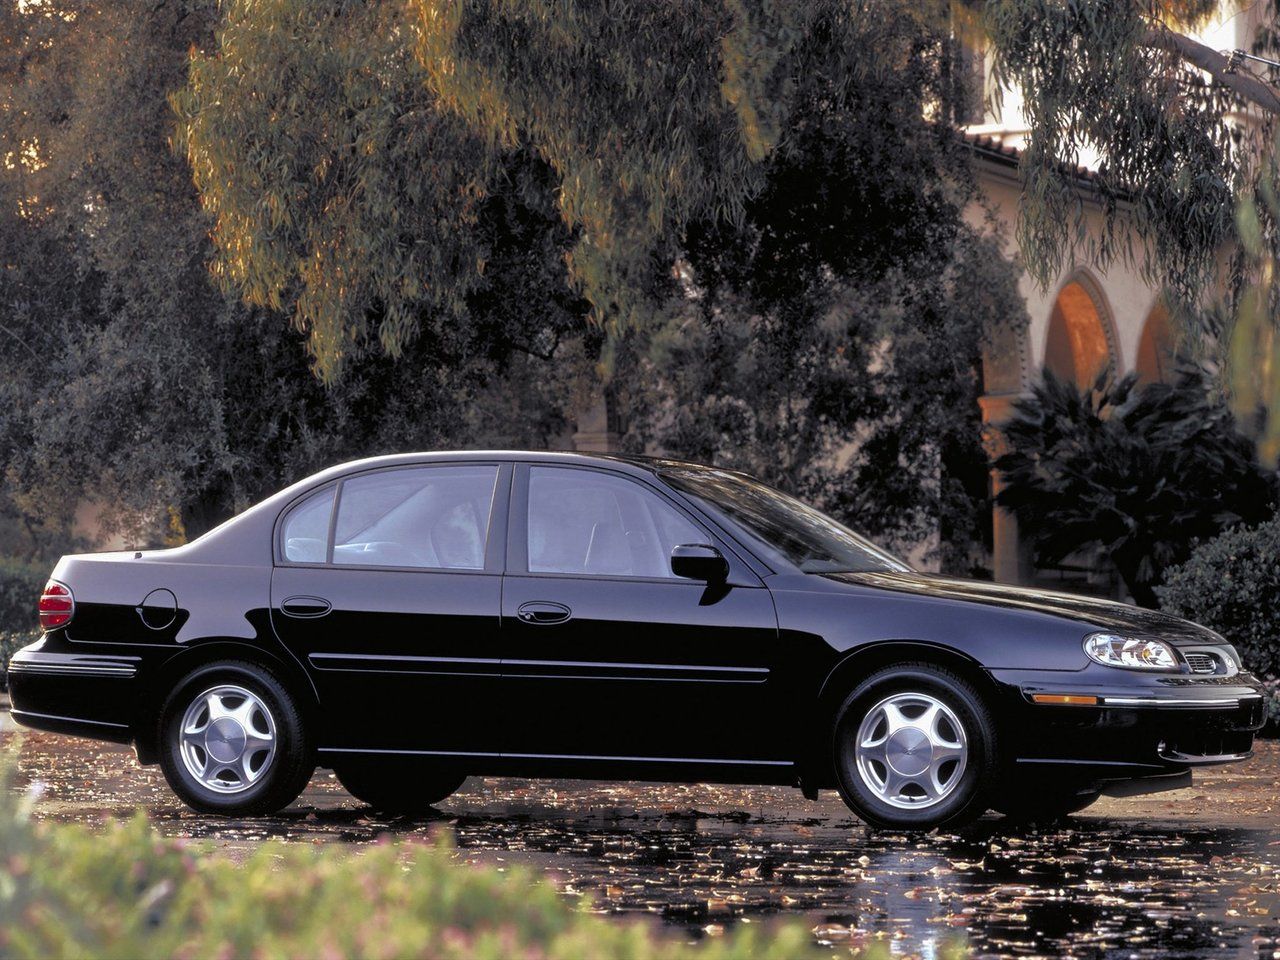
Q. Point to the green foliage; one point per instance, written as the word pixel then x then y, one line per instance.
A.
pixel 827 339
pixel 346 149
pixel 126 892
pixel 320 147
pixel 99 263
pixel 650 114
pixel 1181 179
pixel 429 251
pixel 1253 332
pixel 338 190
pixel 1092 82
pixel 1271 695
pixel 130 380
pixel 11 643
pixel 20 587
pixel 830 342
pixel 1230 583
pixel 1135 474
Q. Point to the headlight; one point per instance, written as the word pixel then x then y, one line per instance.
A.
pixel 1135 654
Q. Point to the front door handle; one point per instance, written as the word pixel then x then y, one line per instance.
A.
pixel 305 608
pixel 543 612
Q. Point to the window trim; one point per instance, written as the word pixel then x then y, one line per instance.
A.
pixel 495 543
pixel 740 573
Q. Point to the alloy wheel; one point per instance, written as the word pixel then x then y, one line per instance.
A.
pixel 911 750
pixel 227 738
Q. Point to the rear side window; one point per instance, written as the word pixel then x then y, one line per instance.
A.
pixel 306 529
pixel 422 517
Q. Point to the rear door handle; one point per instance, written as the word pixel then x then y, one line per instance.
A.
pixel 543 612
pixel 305 608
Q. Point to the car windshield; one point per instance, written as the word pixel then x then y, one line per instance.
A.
pixel 780 526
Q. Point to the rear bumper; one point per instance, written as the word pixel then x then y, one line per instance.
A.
pixel 1136 725
pixel 74 726
pixel 85 695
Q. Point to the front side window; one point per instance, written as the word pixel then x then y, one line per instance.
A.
pixel 780 526
pixel 589 523
pixel 425 517
pixel 305 535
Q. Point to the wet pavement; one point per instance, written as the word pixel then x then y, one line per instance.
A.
pixel 1194 873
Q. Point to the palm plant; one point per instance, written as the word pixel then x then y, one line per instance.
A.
pixel 1134 474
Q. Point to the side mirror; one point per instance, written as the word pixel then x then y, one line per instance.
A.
pixel 699 561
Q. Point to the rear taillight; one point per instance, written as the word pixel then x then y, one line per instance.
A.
pixel 57 605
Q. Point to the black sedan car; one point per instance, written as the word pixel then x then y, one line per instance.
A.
pixel 411 620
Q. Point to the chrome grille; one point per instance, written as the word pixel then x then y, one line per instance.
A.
pixel 1202 662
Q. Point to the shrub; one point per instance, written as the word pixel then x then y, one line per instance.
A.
pixel 11 643
pixel 20 586
pixel 1232 584
pixel 126 892
pixel 1136 474
pixel 1271 701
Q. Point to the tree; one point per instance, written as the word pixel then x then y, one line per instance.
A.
pixel 1186 142
pixel 830 343
pixel 373 126
pixel 1137 475
pixel 734 179
pixel 103 241
pixel 131 380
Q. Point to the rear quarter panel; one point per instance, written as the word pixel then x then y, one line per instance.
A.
pixel 198 611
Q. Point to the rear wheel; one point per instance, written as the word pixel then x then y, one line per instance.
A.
pixel 915 748
pixel 397 788
pixel 233 741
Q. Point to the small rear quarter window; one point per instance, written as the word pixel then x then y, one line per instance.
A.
pixel 305 534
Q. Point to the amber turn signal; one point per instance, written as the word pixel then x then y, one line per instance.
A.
pixel 1069 698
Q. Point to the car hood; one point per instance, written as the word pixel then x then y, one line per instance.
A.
pixel 1092 611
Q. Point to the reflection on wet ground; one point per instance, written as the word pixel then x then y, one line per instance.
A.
pixel 1189 874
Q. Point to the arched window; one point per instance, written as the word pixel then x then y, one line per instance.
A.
pixel 1078 348
pixel 1157 350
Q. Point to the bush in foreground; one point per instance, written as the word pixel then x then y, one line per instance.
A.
pixel 1231 584
pixel 126 892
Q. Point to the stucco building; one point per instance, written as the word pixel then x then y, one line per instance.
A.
pixel 1089 319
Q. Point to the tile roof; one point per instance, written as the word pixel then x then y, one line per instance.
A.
pixel 989 148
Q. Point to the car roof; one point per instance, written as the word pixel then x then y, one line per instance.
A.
pixel 642 462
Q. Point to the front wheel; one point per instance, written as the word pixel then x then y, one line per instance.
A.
pixel 398 788
pixel 233 741
pixel 915 749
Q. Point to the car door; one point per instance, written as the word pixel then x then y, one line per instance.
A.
pixel 606 654
pixel 387 588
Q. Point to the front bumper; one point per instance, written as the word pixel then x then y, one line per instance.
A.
pixel 1137 725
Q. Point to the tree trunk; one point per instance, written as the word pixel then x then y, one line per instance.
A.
pixel 1251 88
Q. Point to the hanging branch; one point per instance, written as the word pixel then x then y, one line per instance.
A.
pixel 1219 66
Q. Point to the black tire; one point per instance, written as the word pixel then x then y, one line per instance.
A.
pixel 966 797
pixel 398 788
pixel 1043 801
pixel 287 770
